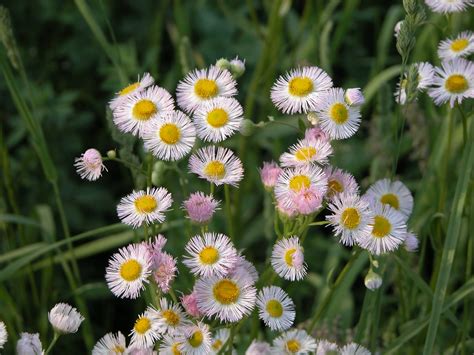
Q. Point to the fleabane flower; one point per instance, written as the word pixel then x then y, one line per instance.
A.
pixel 142 83
pixel 3 334
pixel 90 166
pixel 64 318
pixel 163 270
pixel 196 339
pixel 170 138
pixel 140 109
pixel 324 347
pixel 372 280
pixel 218 119
pixel 217 165
pixel 453 82
pixel 388 230
pixel 29 344
pixel 200 207
pixel 275 308
pixel 258 348
pixel 354 97
pixel 128 271
pixel 294 341
pixel 339 182
pixel 146 330
pixel 219 338
pixel 144 206
pixel 171 345
pixel 245 269
pixel 448 6
pixel 351 217
pixel 294 180
pixel 202 85
pixel 392 193
pixel 307 200
pixel 411 242
pixel 288 259
pixel 110 344
pixel 297 91
pixel 190 305
pixel 354 349
pixel 337 118
pixel 460 46
pixel 210 254
pixel 228 298
pixel 316 132
pixel 307 151
pixel 170 317
pixel 269 174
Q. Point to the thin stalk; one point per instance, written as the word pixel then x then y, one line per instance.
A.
pixel 53 342
pixel 228 211
pixel 464 123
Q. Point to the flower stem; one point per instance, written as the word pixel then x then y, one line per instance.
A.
pixel 53 342
pixel 228 211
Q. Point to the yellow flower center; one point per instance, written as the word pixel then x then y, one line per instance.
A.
pixel 143 110
pixel 334 187
pixel 226 291
pixel 217 345
pixel 171 317
pixel 274 308
pixel 130 270
pixel 129 88
pixel 175 349
pixel 459 44
pixel 196 339
pixel 169 133
pixel 209 255
pixel 142 325
pixel 456 84
pixel 293 345
pixel 381 227
pixel 339 113
pixel 146 204
pixel 289 256
pixel 206 89
pixel 300 86
pixel 215 169
pixel 217 117
pixel 117 349
pixel 390 199
pixel 350 218
pixel 298 182
pixel 305 153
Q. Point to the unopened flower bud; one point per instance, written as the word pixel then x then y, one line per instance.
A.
pixel 237 67
pixel 111 154
pixel 354 97
pixel 372 280
pixel 313 118
pixel 247 128
pixel 223 63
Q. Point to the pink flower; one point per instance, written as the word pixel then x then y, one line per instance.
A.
pixel 269 174
pixel 189 303
pixel 316 133
pixel 288 212
pixel 200 207
pixel 157 244
pixel 164 270
pixel 297 258
pixel 89 166
pixel 307 201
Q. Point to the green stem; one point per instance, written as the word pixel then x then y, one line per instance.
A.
pixel 53 342
pixel 464 123
pixel 228 211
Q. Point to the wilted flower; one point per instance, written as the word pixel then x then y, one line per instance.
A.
pixel 89 166
pixel 29 344
pixel 64 318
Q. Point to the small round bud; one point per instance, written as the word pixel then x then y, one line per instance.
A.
pixel 223 63
pixel 372 280
pixel 313 118
pixel 111 154
pixel 247 128
pixel 237 67
pixel 159 167
pixel 155 178
pixel 354 97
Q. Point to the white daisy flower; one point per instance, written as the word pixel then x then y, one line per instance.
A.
pixel 135 350
pixel 258 348
pixel 324 347
pixel 110 344
pixel 146 330
pixel 388 230
pixel 210 254
pixel 3 334
pixel 64 318
pixel 340 182
pixel 276 308
pixel 354 349
pixel 453 82
pixel 29 344
pixel 288 259
pixel 228 298
pixel 217 165
pixel 293 180
pixel 351 218
pixel 133 88
pixel 219 339
pixel 218 119
pixel 171 137
pixel 144 206
pixel 140 109
pixel 245 269
pixel 89 166
pixel 170 317
pixel 196 339
pixel 294 341
pixel 337 118
pixel 392 193
pixel 461 46
pixel 171 345
pixel 448 6
pixel 411 242
pixel 297 91
pixel 200 86
pixel 128 271
pixel 307 151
